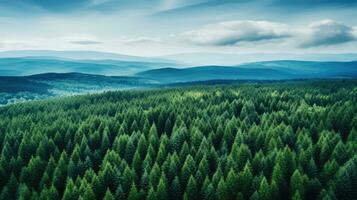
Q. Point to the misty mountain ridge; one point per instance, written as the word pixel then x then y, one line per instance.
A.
pixel 172 72
pixel 29 66
pixel 204 58
pixel 88 76
pixel 269 70
pixel 77 55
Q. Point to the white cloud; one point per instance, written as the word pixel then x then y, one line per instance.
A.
pixel 327 32
pixel 81 39
pixel 141 40
pixel 86 42
pixel 235 32
pixel 171 4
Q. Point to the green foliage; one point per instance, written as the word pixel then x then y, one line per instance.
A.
pixel 346 180
pixel 269 141
pixel 108 195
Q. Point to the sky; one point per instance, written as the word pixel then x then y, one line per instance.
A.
pixel 164 27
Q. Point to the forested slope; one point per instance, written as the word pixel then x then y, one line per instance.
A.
pixel 268 141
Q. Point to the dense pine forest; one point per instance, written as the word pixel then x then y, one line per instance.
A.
pixel 285 140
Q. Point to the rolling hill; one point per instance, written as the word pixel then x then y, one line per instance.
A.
pixel 29 66
pixel 270 70
pixel 78 55
pixel 42 83
pixel 41 86
pixel 32 79
pixel 204 73
pixel 227 59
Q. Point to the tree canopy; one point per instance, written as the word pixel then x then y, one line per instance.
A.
pixel 294 140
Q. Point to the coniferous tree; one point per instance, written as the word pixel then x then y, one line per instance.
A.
pixel 71 192
pixel 191 189
pixel 222 190
pixel 133 193
pixel 247 141
pixel 161 190
pixel 108 195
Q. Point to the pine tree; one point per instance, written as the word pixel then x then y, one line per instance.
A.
pixel 48 194
pixel 187 170
pixel 108 195
pixel 296 196
pixel 161 190
pixel 296 183
pixel 107 177
pixel 153 137
pixel 71 192
pixel 10 189
pixel 88 193
pixel 59 176
pixel 155 174
pixel 264 190
pixel 133 193
pixel 151 194
pixel 175 189
pixel 346 180
pixel 245 179
pixel 33 172
pixel 191 189
pixel 23 192
pixel 232 184
pixel 340 153
pixel 222 190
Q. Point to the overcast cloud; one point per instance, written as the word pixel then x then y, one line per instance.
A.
pixel 233 33
pixel 328 32
pixel 141 27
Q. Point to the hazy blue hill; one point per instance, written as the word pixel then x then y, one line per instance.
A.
pixel 213 73
pixel 270 70
pixel 29 66
pixel 40 86
pixel 308 68
pixel 92 79
pixel 78 55
pixel 87 76
pixel 202 58
pixel 42 82
pixel 22 84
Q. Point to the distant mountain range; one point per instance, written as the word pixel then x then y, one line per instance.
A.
pixel 69 83
pixel 78 55
pixel 270 70
pixel 103 75
pixel 27 75
pixel 171 75
pixel 165 72
pixel 227 59
pixel 35 65
pixel 23 88
pixel 187 59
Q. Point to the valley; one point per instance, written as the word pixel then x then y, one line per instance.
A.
pixel 33 78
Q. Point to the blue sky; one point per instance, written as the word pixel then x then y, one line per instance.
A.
pixel 162 27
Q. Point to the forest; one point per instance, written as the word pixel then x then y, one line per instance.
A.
pixel 285 140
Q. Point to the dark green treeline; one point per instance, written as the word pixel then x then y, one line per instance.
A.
pixel 270 141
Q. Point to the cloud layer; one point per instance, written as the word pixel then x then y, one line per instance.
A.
pixel 234 33
pixel 328 32
pixel 141 40
pixel 59 6
pixel 65 5
pixel 86 42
